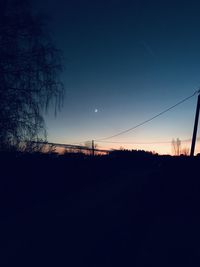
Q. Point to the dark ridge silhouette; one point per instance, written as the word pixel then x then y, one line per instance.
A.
pixel 123 209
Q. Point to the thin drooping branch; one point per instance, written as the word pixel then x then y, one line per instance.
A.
pixel 30 69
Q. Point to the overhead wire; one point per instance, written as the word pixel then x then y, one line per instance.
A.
pixel 142 143
pixel 148 120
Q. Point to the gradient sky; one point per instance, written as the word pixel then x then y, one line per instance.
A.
pixel 129 60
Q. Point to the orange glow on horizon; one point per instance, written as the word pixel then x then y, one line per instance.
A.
pixel 162 148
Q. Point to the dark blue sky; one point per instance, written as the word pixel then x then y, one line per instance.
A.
pixel 129 60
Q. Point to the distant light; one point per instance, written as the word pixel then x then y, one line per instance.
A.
pixel 96 110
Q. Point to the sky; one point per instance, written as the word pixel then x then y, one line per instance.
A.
pixel 124 62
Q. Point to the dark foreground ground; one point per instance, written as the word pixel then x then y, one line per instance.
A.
pixel 103 211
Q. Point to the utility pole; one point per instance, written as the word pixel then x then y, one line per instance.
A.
pixel 93 148
pixel 195 126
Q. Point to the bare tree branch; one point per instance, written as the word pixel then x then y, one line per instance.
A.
pixel 30 66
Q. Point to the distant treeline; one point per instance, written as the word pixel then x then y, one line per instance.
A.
pixel 123 153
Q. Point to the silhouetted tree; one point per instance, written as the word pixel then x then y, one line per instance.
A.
pixel 176 146
pixel 29 74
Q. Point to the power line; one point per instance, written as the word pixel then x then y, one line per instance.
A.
pixel 70 146
pixel 130 143
pixel 148 120
pixel 134 143
pixel 143 143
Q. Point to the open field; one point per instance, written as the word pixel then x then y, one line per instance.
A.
pixel 140 210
